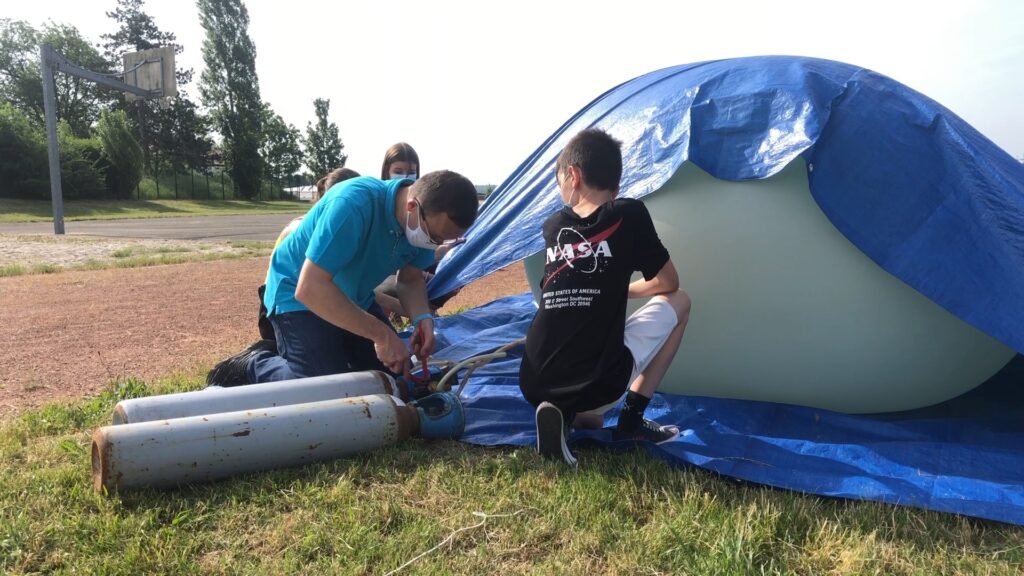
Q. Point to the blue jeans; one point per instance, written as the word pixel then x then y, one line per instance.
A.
pixel 308 345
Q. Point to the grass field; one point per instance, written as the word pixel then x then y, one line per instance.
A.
pixel 471 510
pixel 17 210
pixel 130 254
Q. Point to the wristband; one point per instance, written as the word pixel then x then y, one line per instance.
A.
pixel 425 316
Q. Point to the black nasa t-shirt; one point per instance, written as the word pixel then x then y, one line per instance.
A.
pixel 575 356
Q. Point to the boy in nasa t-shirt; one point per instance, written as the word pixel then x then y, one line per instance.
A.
pixel 582 353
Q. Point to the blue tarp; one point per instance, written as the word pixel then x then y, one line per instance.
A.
pixel 964 456
pixel 913 186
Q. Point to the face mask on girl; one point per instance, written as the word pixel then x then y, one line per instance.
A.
pixel 398 175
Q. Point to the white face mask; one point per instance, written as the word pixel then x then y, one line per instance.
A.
pixel 570 203
pixel 418 236
pixel 403 176
pixel 559 182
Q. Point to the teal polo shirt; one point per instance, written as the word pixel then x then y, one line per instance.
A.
pixel 352 233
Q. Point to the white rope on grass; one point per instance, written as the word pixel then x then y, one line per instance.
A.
pixel 484 517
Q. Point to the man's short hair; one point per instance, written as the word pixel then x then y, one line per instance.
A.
pixel 597 155
pixel 449 193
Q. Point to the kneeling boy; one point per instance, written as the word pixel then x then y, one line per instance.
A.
pixel 582 353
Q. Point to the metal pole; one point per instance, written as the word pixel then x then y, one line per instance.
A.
pixel 50 111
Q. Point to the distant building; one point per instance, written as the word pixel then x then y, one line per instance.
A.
pixel 484 190
pixel 301 192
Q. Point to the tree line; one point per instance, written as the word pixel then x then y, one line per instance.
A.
pixel 108 143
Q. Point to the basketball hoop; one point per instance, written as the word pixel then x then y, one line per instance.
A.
pixel 147 74
pixel 152 70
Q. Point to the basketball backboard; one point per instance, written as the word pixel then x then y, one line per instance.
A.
pixel 151 70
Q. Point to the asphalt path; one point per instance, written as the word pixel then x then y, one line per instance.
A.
pixel 247 227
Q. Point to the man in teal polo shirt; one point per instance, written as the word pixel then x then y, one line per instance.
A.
pixel 320 286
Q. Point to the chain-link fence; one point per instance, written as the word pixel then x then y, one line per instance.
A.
pixel 177 179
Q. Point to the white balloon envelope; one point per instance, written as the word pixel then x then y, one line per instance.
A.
pixel 786 309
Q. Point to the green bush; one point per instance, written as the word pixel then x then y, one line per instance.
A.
pixel 82 165
pixel 23 161
pixel 122 153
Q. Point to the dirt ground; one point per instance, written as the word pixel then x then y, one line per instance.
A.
pixel 68 335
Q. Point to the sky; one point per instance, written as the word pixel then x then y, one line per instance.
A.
pixel 476 87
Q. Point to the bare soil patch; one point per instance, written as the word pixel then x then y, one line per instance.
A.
pixel 68 335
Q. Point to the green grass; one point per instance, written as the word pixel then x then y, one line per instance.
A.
pixel 136 255
pixel 19 210
pixel 621 513
pixel 157 259
pixel 12 270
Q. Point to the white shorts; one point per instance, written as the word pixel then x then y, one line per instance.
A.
pixel 647 329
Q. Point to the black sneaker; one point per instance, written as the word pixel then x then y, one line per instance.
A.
pixel 234 370
pixel 648 431
pixel 551 434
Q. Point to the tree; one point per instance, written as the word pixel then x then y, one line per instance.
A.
pixel 281 151
pixel 79 101
pixel 82 165
pixel 230 88
pixel 137 31
pixel 182 136
pixel 19 72
pixel 323 145
pixel 121 151
pixel 23 160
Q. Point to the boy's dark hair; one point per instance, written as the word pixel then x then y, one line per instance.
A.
pixel 597 155
pixel 400 152
pixel 449 193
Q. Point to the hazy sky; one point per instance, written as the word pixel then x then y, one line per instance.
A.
pixel 477 86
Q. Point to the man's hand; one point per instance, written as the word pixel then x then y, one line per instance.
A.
pixel 422 341
pixel 392 353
